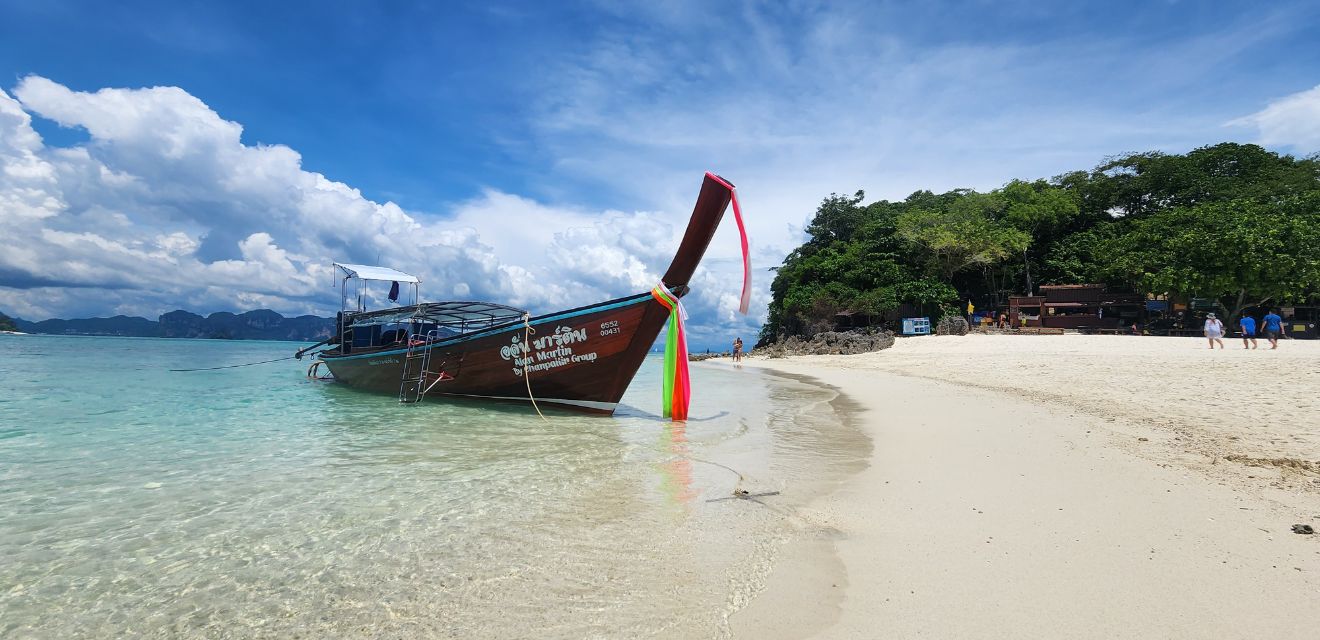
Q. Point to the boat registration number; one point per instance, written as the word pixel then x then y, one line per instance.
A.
pixel 609 328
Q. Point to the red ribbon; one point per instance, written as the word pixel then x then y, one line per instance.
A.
pixel 746 300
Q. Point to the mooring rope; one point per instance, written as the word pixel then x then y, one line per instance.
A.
pixel 235 366
pixel 527 373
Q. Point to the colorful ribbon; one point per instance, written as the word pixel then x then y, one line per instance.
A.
pixel 746 300
pixel 676 389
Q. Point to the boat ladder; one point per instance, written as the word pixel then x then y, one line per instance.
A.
pixel 413 384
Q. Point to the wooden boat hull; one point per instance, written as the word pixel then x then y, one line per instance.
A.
pixel 581 359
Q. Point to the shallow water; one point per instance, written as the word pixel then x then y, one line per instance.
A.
pixel 252 502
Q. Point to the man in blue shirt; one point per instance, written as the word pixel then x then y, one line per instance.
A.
pixel 1273 328
pixel 1248 325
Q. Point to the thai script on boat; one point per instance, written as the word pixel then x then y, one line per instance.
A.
pixel 562 336
pixel 546 352
pixel 380 361
pixel 513 350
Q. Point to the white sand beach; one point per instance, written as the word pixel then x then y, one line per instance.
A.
pixel 1040 486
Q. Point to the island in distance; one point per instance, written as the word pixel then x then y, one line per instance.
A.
pixel 261 324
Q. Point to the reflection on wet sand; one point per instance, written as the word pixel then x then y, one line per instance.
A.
pixel 676 473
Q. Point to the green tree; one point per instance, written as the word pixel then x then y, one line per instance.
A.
pixel 1038 209
pixel 961 235
pixel 7 323
pixel 836 220
pixel 1242 252
pixel 1141 184
pixel 1088 256
pixel 927 294
pixel 1235 222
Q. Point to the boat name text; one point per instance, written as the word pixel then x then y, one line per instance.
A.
pixel 546 352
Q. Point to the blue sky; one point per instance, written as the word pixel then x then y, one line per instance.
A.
pixel 217 156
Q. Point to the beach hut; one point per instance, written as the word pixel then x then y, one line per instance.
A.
pixel 1086 307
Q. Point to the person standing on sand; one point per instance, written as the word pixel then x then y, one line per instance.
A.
pixel 1273 328
pixel 737 349
pixel 1248 325
pixel 1214 331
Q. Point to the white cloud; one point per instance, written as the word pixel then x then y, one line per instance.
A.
pixel 165 207
pixel 26 180
pixel 1291 121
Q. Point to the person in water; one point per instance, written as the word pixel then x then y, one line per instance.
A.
pixel 737 349
pixel 1214 331
pixel 1248 326
pixel 1273 328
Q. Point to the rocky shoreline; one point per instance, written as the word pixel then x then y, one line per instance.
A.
pixel 845 343
pixel 828 343
pixel 824 343
pixel 698 357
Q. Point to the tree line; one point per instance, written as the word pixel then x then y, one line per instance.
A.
pixel 1234 223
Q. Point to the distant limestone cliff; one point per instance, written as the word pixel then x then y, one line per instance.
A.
pixel 262 324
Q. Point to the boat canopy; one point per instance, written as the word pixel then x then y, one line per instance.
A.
pixel 459 316
pixel 366 272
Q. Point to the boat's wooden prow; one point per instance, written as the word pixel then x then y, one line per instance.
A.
pixel 716 192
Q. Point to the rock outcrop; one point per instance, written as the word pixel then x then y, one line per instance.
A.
pixel 828 343
pixel 952 326
pixel 698 357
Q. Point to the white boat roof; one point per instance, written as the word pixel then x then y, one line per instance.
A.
pixel 367 272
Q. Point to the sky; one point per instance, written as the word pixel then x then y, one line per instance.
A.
pixel 218 156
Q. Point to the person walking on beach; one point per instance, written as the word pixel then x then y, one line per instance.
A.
pixel 1214 331
pixel 737 349
pixel 1273 328
pixel 1248 325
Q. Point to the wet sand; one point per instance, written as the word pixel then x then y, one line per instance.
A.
pixel 1036 486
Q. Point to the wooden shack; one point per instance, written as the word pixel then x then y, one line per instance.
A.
pixel 1075 306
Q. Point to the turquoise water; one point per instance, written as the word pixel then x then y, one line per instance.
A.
pixel 253 502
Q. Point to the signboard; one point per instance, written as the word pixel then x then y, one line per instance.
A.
pixel 916 326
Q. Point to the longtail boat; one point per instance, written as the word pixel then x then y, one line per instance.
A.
pixel 581 358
